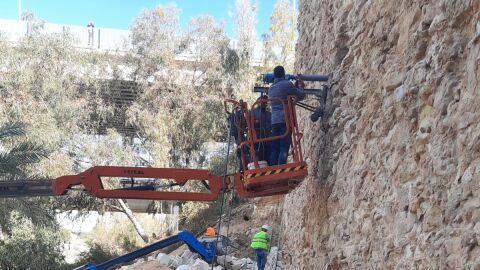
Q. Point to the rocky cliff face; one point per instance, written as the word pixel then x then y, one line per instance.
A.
pixel 395 162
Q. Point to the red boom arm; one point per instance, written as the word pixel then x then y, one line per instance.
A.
pixel 92 182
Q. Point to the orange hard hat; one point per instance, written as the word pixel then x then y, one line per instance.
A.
pixel 210 231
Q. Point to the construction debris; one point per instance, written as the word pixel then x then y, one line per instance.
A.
pixel 190 261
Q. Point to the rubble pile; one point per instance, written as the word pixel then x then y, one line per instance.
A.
pixel 191 261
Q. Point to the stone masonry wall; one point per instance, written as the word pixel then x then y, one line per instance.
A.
pixel 395 163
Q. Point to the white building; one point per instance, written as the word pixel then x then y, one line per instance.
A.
pixel 105 39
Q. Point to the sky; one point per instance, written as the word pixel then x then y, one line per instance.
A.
pixel 120 13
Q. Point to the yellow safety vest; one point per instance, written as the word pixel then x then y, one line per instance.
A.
pixel 260 241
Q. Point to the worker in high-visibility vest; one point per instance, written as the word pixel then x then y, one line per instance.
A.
pixel 260 245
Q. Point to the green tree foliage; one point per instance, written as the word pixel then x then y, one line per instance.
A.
pixel 279 43
pixel 245 14
pixel 245 17
pixel 28 246
pixel 97 254
pixel 17 158
pixel 154 35
pixel 55 91
pixel 27 226
pixel 181 104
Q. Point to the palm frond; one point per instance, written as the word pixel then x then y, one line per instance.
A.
pixel 12 129
pixel 13 161
pixel 26 152
pixel 8 168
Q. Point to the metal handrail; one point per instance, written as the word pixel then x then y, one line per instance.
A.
pixel 291 128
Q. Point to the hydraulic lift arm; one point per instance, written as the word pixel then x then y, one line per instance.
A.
pixel 91 180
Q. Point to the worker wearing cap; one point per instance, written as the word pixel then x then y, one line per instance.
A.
pixel 260 245
pixel 281 89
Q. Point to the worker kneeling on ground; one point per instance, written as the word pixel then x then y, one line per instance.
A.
pixel 209 238
pixel 260 245
pixel 281 89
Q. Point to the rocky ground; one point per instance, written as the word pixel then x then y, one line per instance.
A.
pixel 247 219
pixel 187 260
pixel 244 221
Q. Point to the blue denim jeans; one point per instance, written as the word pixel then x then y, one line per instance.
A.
pixel 261 259
pixel 262 150
pixel 279 148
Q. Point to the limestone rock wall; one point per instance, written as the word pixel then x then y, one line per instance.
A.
pixel 395 163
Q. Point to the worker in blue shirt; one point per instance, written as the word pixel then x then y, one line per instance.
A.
pixel 281 89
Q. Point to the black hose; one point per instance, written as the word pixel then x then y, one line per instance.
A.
pixel 312 77
pixel 232 194
pixel 223 182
